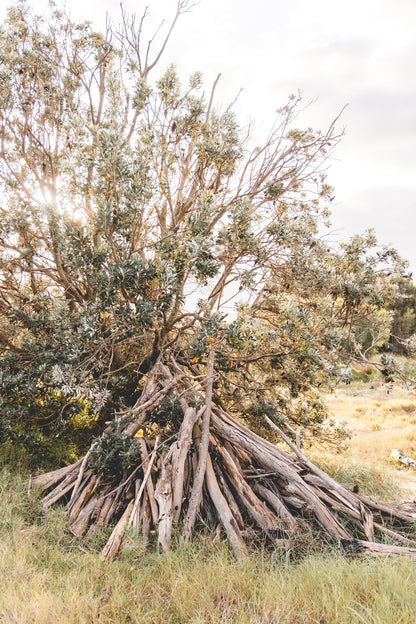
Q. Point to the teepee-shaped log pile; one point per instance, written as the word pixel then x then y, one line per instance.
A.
pixel 207 463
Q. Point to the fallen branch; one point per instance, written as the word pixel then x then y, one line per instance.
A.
pixel 403 459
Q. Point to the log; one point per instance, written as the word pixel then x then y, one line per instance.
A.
pixel 80 525
pixel 49 479
pixel 361 547
pixel 253 487
pixel 135 514
pixel 163 495
pixel 403 459
pixel 103 513
pixel 84 494
pixel 145 515
pixel 222 481
pixel 227 520
pixel 257 509
pixel 113 545
pixel 178 462
pixel 147 479
pixel 289 523
pixel 199 476
pixel 80 475
pixel 147 482
pixel 61 490
pixel 296 485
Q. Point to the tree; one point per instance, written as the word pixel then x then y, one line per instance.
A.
pixel 403 326
pixel 134 214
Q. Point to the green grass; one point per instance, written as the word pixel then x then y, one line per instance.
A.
pixel 370 480
pixel 49 577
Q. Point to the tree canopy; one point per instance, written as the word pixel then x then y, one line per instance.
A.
pixel 144 239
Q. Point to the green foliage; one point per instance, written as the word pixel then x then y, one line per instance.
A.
pixel 364 375
pixel 403 327
pixel 114 452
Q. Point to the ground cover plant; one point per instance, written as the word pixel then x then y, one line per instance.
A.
pixel 135 210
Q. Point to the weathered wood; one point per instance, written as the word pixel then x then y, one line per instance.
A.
pixel 361 547
pixel 289 523
pixel 49 479
pixel 106 506
pixel 403 459
pixel 147 482
pixel 199 476
pixel 80 525
pixel 113 545
pixel 297 486
pixel 147 479
pixel 252 479
pixel 163 495
pixel 368 522
pixel 257 509
pixel 178 461
pixel 222 481
pixel 80 475
pixel 135 514
pixel 145 517
pixel 60 491
pixel 227 520
pixel 390 511
pixel 403 538
pixel 84 494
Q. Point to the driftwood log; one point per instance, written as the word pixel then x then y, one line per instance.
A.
pixel 203 463
pixel 403 459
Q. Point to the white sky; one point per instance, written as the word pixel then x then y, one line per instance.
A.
pixel 361 53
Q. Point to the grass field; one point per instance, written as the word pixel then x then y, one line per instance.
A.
pixel 379 420
pixel 50 577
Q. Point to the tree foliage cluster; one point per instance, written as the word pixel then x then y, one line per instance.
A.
pixel 138 222
pixel 403 326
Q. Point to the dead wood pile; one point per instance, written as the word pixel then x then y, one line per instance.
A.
pixel 206 463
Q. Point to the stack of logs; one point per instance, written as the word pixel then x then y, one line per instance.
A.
pixel 208 465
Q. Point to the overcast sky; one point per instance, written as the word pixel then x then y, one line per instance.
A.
pixel 360 53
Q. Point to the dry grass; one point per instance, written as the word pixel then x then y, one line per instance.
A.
pixel 378 421
pixel 48 577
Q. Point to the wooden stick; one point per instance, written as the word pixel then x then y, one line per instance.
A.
pixel 49 479
pixel 113 545
pixel 178 462
pixel 60 491
pixel 80 475
pixel 163 495
pixel 227 520
pixel 235 510
pixel 361 547
pixel 403 459
pixel 195 499
pixel 146 477
pixel 290 525
pixel 258 510
pixel 84 494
